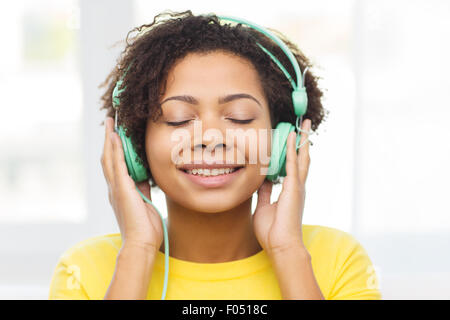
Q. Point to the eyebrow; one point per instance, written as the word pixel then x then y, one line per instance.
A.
pixel 222 100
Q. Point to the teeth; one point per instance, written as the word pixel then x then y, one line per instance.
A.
pixel 212 172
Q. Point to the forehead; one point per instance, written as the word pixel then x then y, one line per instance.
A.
pixel 212 72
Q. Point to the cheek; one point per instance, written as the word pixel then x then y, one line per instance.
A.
pixel 257 148
pixel 158 151
pixel 264 146
pixel 164 151
pixel 262 149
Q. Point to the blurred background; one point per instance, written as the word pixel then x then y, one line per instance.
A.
pixel 379 164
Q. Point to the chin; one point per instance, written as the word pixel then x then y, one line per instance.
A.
pixel 215 199
pixel 211 203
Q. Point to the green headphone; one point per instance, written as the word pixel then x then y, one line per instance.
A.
pixel 277 165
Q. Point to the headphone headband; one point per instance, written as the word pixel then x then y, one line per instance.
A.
pixel 299 96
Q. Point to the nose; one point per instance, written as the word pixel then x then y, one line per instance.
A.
pixel 203 146
pixel 209 132
pixel 209 138
pixel 200 147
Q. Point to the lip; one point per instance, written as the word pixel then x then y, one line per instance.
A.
pixel 213 181
pixel 217 165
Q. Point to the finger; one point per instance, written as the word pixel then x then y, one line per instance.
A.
pixel 291 160
pixel 264 193
pixel 120 171
pixel 303 160
pixel 106 159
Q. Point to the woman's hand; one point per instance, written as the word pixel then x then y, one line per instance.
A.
pixel 278 226
pixel 140 224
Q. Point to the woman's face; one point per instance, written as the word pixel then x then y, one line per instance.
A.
pixel 209 133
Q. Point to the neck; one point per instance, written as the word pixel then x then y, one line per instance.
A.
pixel 210 237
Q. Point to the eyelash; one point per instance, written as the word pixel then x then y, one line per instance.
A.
pixel 175 124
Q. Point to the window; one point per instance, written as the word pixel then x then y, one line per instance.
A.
pixel 401 144
pixel 42 178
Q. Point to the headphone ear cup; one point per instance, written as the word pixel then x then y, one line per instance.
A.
pixel 277 166
pixel 135 169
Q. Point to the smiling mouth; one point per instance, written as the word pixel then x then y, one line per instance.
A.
pixel 211 172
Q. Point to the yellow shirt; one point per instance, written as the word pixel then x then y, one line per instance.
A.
pixel 341 267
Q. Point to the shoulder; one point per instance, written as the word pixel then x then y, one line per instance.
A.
pixel 330 245
pixel 331 238
pixel 95 245
pixel 341 263
pixel 85 269
pixel 95 254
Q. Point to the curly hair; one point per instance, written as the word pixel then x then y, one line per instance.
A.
pixel 160 44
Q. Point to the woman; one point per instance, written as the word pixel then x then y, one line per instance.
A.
pixel 190 74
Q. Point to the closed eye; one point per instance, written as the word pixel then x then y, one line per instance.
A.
pixel 241 121
pixel 174 124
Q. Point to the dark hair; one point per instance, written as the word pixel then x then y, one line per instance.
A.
pixel 157 46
